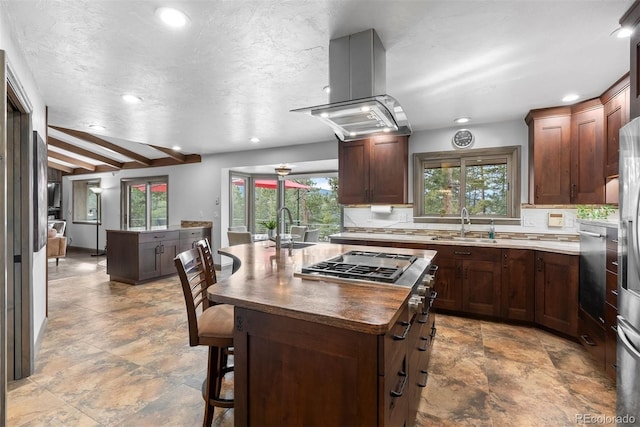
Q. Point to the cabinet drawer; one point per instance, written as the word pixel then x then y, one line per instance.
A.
pixel 195 233
pixel 159 236
pixel 467 252
pixel 591 335
pixel 612 261
pixel 610 317
pixel 612 288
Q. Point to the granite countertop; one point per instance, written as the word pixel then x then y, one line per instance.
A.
pixel 600 222
pixel 265 282
pixel 155 230
pixel 568 248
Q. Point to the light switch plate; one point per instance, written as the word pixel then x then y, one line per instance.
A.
pixel 556 219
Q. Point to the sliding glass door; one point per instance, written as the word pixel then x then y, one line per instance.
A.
pixel 144 201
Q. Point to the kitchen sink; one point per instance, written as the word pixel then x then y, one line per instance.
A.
pixel 473 239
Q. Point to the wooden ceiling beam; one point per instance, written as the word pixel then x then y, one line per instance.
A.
pixel 82 152
pixel 171 153
pixel 72 160
pixel 106 144
pixel 58 166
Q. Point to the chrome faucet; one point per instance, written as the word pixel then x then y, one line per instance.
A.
pixel 464 212
pixel 282 226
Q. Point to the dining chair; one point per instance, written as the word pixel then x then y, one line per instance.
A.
pixel 312 235
pixel 238 228
pixel 208 261
pixel 239 237
pixel 209 325
pixel 297 232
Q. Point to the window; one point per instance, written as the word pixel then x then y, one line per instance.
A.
pixel 86 203
pixel 485 181
pixel 145 203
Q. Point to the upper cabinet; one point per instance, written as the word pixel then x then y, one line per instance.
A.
pixel 616 115
pixel 573 149
pixel 631 19
pixel 374 170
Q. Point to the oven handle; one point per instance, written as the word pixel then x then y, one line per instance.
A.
pixel 590 234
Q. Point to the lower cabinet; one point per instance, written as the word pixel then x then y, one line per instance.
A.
pixel 138 256
pixel 511 284
pixel 295 372
pixel 556 277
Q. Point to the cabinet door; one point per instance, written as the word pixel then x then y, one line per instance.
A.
pixel 549 146
pixel 448 281
pixel 556 280
pixel 518 284
pixel 389 167
pixel 353 170
pixel 481 282
pixel 587 177
pixel 616 115
pixel 168 251
pixel 148 260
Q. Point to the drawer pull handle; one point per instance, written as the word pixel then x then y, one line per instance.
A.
pixel 461 253
pixel 614 292
pixel 407 326
pixel 588 340
pixel 614 366
pixel 159 237
pixel 403 384
pixel 426 377
pixel 614 240
pixel 433 332
pixel 425 317
pixel 614 263
pixel 614 328
pixel 426 344
pixel 601 320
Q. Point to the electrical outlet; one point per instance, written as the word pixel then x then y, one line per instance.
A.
pixel 529 221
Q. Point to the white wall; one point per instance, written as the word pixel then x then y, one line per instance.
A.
pixel 38 121
pixel 197 191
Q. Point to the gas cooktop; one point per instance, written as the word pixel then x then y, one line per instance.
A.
pixel 363 265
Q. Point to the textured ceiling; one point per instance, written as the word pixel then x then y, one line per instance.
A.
pixel 238 67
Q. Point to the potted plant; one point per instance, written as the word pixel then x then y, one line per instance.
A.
pixel 270 226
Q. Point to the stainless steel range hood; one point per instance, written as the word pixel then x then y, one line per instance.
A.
pixel 358 106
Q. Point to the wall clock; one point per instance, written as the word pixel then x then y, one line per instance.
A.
pixel 463 138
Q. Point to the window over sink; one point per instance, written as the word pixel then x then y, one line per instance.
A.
pixel 485 181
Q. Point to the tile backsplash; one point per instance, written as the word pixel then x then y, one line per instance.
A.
pixel 534 223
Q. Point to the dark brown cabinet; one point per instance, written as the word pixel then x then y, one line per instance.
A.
pixel 374 170
pixel 284 366
pixel 587 176
pixel 556 289
pixel 549 155
pixel 616 115
pixel 611 303
pixel 518 285
pixel 631 20
pixel 138 256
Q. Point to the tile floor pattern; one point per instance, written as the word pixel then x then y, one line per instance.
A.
pixel 118 355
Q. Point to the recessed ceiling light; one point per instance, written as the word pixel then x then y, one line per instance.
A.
pixel 131 99
pixel 352 134
pixel 97 127
pixel 462 119
pixel 326 89
pixel 365 108
pixel 570 97
pixel 622 32
pixel 176 148
pixel 255 139
pixel 324 115
pixel 172 17
pixel 386 130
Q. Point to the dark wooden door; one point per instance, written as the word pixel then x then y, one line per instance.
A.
pixel 550 148
pixel 481 282
pixel 616 115
pixel 148 260
pixel 389 167
pixel 556 280
pixel 168 251
pixel 587 177
pixel 518 284
pixel 353 170
pixel 448 282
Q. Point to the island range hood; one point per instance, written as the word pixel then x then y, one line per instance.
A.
pixel 358 106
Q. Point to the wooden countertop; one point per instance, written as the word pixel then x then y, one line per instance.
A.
pixel 155 230
pixel 568 248
pixel 265 282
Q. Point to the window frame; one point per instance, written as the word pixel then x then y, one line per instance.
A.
pixel 462 158
pixel 75 197
pixel 124 200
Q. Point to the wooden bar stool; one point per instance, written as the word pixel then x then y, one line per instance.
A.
pixel 213 327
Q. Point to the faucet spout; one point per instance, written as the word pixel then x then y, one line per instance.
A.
pixel 464 213
pixel 282 227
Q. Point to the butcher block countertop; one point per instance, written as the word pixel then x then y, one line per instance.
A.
pixel 265 282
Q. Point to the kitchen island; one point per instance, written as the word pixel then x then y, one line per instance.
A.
pixel 321 352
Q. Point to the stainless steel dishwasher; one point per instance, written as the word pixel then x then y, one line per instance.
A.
pixel 593 260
